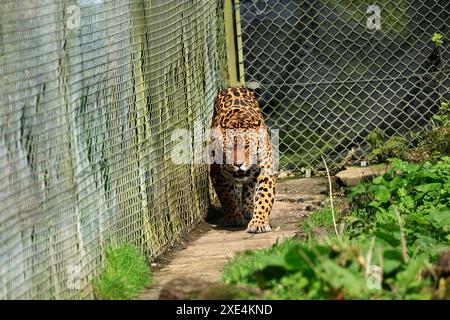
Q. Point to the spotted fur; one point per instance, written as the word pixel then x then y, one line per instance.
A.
pixel 241 153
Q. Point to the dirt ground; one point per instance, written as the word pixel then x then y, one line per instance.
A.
pixel 210 246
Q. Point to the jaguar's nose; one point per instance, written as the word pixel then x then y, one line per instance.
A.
pixel 240 166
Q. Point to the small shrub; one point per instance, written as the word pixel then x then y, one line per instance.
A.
pixel 423 146
pixel 421 195
pixel 381 150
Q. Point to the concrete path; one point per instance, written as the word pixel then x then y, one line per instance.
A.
pixel 206 255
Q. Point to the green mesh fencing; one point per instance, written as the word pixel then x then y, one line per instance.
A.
pixel 90 92
pixel 331 71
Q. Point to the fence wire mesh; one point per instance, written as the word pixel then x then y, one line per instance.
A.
pixel 331 71
pixel 90 92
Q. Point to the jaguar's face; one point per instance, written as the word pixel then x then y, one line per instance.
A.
pixel 239 152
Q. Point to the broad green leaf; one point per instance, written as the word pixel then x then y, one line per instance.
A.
pixel 395 183
pixel 392 259
pixel 412 270
pixel 382 194
pixel 442 217
pixel 388 237
pixel 390 265
pixel 391 227
pixel 351 219
pixel 428 187
pixel 273 260
pixel 437 39
pixel 378 180
pixel 440 118
pixel 295 261
pixel 357 190
pixel 374 204
pixel 340 277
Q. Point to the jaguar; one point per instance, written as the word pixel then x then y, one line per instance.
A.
pixel 241 154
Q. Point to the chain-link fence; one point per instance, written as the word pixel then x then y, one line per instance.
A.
pixel 331 71
pixel 90 91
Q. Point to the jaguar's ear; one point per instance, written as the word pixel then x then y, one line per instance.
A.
pixel 253 87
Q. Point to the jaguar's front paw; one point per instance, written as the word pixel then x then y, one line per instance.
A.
pixel 255 226
pixel 236 220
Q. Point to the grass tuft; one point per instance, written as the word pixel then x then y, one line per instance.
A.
pixel 125 275
pixel 318 219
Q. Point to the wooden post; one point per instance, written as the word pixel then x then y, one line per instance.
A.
pixel 230 33
pixel 240 48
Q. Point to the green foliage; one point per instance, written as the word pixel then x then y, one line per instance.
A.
pixel 420 193
pixel 434 143
pixel 375 138
pixel 399 222
pixel 442 124
pixel 394 147
pixel 443 118
pixel 437 39
pixel 427 145
pixel 331 271
pixel 125 274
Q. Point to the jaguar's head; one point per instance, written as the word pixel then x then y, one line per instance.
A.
pixel 237 151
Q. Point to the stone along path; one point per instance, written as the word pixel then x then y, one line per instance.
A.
pixel 205 256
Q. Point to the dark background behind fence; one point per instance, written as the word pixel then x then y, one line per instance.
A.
pixel 327 80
